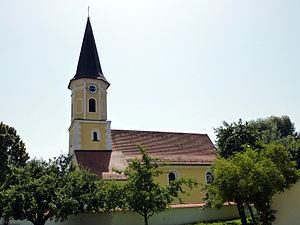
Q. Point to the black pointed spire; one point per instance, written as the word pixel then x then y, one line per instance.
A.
pixel 89 63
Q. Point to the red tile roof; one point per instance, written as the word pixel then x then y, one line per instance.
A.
pixel 177 148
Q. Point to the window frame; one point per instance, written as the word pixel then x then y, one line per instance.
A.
pixel 90 104
pixel 175 173
pixel 97 131
pixel 206 175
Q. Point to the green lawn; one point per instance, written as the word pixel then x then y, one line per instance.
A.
pixel 229 222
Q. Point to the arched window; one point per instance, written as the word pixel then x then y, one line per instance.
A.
pixel 209 177
pixel 92 105
pixel 95 134
pixel 172 176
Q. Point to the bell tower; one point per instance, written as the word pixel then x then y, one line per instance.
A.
pixel 89 129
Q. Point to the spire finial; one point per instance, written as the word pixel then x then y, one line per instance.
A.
pixel 88 12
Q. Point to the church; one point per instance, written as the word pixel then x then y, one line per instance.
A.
pixel 97 147
pixel 94 145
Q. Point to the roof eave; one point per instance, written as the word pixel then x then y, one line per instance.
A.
pixel 99 78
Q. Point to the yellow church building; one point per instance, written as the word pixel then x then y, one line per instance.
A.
pixel 94 145
pixel 99 148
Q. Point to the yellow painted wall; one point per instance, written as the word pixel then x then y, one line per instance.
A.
pixel 87 143
pixel 80 110
pixel 79 90
pixel 103 106
pixel 78 95
pixel 197 172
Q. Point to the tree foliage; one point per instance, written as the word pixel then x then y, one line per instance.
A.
pixel 12 150
pixel 275 128
pixel 46 190
pixel 143 194
pixel 294 149
pixel 231 137
pixel 253 158
pixel 252 177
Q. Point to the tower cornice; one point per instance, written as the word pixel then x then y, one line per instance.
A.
pixel 88 121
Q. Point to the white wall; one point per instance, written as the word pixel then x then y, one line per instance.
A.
pixel 287 205
pixel 176 216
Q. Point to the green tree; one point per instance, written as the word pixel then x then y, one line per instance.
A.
pixel 294 149
pixel 105 196
pixel 231 137
pixel 12 150
pixel 281 130
pixel 143 194
pixel 47 190
pixel 252 177
pixel 275 128
pixel 12 153
pixel 274 174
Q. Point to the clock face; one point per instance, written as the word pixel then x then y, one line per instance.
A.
pixel 92 88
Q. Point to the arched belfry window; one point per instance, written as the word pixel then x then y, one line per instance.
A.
pixel 95 134
pixel 172 176
pixel 92 105
pixel 209 177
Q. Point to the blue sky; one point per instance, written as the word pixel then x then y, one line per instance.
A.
pixel 173 65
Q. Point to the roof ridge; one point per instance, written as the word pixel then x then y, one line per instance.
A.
pixel 149 131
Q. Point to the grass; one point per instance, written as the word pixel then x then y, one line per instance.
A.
pixel 228 222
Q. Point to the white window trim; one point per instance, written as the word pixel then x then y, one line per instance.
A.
pixel 103 107
pixel 99 97
pixel 176 175
pixel 84 101
pixel 98 134
pixel 76 137
pixel 89 104
pixel 108 137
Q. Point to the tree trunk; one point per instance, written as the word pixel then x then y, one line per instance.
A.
pixel 251 213
pixel 146 220
pixel 241 210
pixel 6 222
pixel 265 214
pixel 145 217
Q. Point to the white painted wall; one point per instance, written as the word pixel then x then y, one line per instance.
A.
pixel 177 216
pixel 287 205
